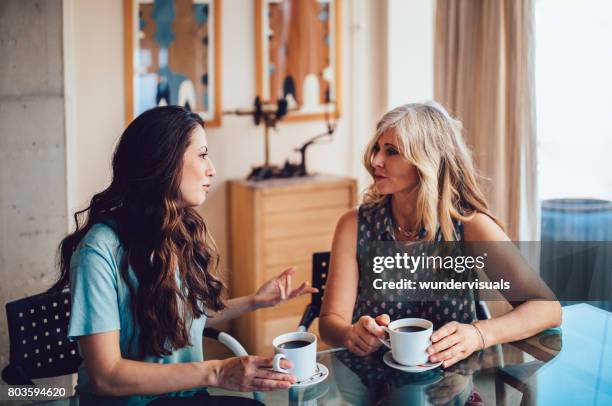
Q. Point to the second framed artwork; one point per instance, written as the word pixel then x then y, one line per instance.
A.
pixel 298 56
pixel 173 56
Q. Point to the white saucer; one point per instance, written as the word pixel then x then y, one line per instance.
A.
pixel 388 359
pixel 319 376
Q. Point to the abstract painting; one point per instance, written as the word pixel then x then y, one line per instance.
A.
pixel 172 56
pixel 298 55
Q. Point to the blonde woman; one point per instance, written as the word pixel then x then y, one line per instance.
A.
pixel 424 188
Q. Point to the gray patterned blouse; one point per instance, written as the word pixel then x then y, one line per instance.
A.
pixel 375 226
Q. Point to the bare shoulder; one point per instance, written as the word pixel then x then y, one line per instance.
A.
pixel 348 220
pixel 346 230
pixel 482 228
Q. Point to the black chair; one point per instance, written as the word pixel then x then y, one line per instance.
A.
pixel 320 270
pixel 39 345
pixel 320 267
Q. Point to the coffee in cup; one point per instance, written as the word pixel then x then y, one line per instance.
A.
pixel 408 340
pixel 294 344
pixel 301 349
pixel 408 329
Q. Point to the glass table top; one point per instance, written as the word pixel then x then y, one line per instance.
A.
pixel 571 365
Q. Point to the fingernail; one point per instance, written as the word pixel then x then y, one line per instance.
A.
pixel 434 359
pixel 430 350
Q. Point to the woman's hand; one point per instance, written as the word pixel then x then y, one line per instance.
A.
pixel 363 337
pixel 278 290
pixel 453 342
pixel 250 373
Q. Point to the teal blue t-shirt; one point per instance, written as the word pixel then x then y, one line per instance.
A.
pixel 101 303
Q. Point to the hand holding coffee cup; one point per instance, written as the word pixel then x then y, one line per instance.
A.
pixel 456 341
pixel 250 373
pixel 409 340
pixel 301 349
pixel 362 337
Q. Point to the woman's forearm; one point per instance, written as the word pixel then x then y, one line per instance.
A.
pixel 333 329
pixel 143 378
pixel 524 321
pixel 233 308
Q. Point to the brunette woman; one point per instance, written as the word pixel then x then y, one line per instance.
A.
pixel 143 274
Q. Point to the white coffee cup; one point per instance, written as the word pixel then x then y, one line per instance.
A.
pixel 409 348
pixel 304 357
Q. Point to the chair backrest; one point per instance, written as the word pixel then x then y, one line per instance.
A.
pixel 320 269
pixel 38 334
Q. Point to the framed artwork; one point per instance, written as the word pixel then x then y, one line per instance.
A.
pixel 173 56
pixel 298 56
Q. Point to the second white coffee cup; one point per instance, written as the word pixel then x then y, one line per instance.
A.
pixel 408 340
pixel 301 349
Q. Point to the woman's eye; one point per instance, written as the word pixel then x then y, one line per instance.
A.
pixel 392 151
pixel 204 155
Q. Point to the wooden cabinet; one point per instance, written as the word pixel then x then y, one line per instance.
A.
pixel 275 224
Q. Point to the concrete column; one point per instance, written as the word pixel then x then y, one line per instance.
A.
pixel 32 150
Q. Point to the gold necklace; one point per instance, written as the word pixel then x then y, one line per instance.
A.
pixel 411 235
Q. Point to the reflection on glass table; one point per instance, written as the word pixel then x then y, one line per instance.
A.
pixel 571 365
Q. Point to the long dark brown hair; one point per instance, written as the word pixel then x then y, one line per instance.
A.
pixel 159 236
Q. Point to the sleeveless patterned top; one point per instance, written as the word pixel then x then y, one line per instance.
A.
pixel 375 224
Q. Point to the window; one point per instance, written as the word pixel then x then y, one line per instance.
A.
pixel 573 80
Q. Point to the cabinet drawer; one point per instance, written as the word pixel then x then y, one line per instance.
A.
pixel 302 223
pixel 294 307
pixel 311 199
pixel 295 250
pixel 302 273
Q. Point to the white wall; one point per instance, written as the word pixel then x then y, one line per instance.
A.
pixel 368 71
pixel 98 105
pixel 411 44
pixel 97 77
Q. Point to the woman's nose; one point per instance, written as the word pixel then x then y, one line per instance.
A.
pixel 377 160
pixel 211 171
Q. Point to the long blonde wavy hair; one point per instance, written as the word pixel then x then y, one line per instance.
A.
pixel 430 139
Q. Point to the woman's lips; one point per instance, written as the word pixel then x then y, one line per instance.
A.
pixel 378 178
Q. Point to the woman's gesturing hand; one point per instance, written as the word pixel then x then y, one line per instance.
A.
pixel 363 337
pixel 278 290
pixel 251 373
pixel 453 342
